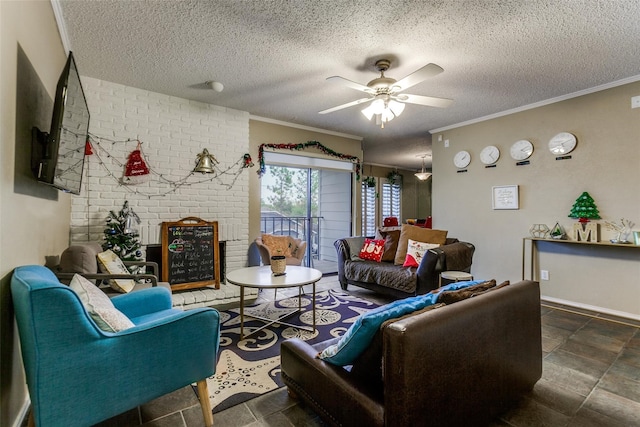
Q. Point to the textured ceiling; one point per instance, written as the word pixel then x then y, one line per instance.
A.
pixel 273 56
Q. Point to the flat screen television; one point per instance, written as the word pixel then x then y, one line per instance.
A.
pixel 57 157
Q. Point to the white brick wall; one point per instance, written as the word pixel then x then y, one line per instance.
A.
pixel 172 131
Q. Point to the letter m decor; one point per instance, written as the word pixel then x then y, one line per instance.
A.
pixel 585 232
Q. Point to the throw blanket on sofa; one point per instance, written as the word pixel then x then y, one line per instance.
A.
pixel 458 256
pixel 383 273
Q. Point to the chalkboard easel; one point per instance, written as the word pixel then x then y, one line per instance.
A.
pixel 190 257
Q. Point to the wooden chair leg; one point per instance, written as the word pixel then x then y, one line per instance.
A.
pixel 31 420
pixel 205 403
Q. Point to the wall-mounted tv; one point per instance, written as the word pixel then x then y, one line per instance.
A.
pixel 57 157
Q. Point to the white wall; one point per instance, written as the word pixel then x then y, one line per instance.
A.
pixel 173 131
pixel 31 227
pixel 606 163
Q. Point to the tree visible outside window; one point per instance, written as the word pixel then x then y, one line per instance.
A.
pixel 287 191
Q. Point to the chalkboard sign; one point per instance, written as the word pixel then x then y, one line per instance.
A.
pixel 190 257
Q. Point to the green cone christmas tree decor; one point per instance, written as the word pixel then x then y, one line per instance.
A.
pixel 121 235
pixel 584 208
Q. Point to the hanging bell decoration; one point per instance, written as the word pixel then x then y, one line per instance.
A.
pixel 205 162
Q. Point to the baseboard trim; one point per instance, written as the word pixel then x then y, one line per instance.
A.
pixel 21 419
pixel 592 308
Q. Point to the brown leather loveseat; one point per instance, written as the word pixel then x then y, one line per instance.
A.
pixel 460 364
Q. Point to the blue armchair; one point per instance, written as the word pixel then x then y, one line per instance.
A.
pixel 79 375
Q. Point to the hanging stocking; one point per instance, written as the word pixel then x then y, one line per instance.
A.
pixel 136 170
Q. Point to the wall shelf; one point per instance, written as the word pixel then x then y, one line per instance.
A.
pixel 533 252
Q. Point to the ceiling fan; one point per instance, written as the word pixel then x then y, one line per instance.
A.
pixel 385 95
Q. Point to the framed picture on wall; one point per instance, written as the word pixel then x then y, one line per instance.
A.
pixel 505 197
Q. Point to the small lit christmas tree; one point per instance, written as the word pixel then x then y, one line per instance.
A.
pixel 584 208
pixel 121 235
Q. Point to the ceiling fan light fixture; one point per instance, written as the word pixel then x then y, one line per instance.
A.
pixel 387 101
pixel 387 115
pixel 378 106
pixel 368 112
pixel 396 107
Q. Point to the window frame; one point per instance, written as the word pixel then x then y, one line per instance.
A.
pixel 377 196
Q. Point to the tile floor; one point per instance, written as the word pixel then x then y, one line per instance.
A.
pixel 591 377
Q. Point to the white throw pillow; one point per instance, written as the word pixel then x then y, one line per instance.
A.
pixel 100 308
pixel 110 263
pixel 415 252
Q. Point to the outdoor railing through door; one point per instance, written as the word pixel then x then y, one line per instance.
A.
pixel 298 227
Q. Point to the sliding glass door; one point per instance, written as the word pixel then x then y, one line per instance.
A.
pixel 307 199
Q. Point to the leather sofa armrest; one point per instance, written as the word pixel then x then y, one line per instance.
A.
pixel 343 254
pixel 429 270
pixel 336 393
pixel 502 327
pixel 435 262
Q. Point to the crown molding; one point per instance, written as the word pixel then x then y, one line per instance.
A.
pixel 616 83
pixel 303 127
pixel 62 28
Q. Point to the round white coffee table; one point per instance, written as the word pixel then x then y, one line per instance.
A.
pixel 263 278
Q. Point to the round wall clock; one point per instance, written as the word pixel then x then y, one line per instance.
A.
pixel 562 143
pixel 462 159
pixel 521 150
pixel 489 154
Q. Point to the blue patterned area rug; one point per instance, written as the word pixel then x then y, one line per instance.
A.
pixel 250 367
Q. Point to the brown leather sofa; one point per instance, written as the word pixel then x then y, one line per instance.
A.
pixel 458 365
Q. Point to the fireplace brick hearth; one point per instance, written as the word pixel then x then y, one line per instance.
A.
pixel 206 296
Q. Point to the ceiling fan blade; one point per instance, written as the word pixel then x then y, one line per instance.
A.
pixel 418 76
pixel 348 104
pixel 351 84
pixel 429 101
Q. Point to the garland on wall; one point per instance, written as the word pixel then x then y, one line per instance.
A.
pixel 96 146
pixel 328 151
